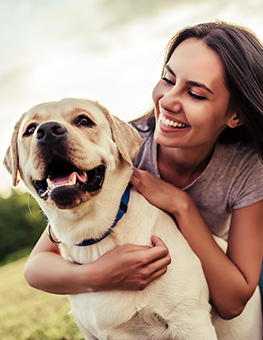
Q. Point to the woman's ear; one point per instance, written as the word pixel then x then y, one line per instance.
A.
pixel 234 121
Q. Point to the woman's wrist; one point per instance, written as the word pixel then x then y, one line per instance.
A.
pixel 181 206
pixel 86 278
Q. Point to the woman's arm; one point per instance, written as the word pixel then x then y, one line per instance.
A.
pixel 232 277
pixel 128 267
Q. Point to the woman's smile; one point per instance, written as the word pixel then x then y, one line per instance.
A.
pixel 171 123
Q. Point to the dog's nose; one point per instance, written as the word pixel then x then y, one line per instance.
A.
pixel 50 132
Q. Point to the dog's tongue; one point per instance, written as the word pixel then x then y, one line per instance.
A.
pixel 71 178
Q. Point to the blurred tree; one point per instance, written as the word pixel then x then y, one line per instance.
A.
pixel 21 223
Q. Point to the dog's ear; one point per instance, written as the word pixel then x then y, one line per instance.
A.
pixel 11 157
pixel 125 136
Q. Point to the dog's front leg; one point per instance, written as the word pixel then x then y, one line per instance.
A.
pixel 87 334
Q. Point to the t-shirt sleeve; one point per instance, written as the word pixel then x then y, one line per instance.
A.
pixel 248 186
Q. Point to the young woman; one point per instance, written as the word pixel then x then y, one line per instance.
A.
pixel 203 142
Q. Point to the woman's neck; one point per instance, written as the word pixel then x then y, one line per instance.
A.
pixel 182 166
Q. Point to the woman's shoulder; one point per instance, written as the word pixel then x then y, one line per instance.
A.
pixel 144 125
pixel 244 168
pixel 146 158
pixel 238 153
pixel 238 163
pixel 234 176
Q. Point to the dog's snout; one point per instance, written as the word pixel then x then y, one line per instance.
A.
pixel 50 132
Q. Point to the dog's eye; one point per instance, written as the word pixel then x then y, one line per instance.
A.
pixel 84 121
pixel 30 130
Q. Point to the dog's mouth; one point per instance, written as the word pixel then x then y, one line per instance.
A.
pixel 64 176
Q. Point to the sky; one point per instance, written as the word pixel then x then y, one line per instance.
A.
pixel 106 50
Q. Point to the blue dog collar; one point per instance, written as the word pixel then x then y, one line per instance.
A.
pixel 122 210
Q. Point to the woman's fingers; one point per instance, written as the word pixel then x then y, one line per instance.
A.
pixel 152 254
pixel 150 264
pixel 157 242
pixel 132 267
pixel 142 276
pixel 139 178
pixel 156 191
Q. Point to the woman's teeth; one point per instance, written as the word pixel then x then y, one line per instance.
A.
pixel 169 123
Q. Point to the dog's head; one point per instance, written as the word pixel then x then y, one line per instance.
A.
pixel 63 150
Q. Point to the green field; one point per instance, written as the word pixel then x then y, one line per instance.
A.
pixel 28 314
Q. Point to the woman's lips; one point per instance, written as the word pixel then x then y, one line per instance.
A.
pixel 172 123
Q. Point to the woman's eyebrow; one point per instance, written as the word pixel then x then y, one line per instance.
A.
pixel 195 83
pixel 190 82
pixel 169 69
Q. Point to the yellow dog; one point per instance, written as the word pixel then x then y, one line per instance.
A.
pixel 76 160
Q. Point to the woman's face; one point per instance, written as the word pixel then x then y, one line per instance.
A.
pixel 191 100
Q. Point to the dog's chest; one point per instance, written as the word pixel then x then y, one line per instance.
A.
pixel 83 255
pixel 105 310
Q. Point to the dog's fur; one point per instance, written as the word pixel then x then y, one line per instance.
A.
pixel 84 134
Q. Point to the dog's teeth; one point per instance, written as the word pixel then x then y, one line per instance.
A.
pixel 43 193
pixel 59 183
pixel 73 181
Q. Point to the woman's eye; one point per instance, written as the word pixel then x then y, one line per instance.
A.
pixel 30 130
pixel 168 81
pixel 84 121
pixel 195 96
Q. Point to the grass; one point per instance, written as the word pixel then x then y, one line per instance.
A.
pixel 29 314
pixel 24 252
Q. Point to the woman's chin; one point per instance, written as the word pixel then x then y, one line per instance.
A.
pixel 168 137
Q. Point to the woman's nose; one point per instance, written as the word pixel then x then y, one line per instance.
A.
pixel 171 101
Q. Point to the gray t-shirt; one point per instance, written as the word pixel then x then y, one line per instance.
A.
pixel 233 179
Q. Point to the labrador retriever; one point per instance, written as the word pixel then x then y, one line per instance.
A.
pixel 76 160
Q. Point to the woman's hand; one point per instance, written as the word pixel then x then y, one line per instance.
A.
pixel 130 267
pixel 161 194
